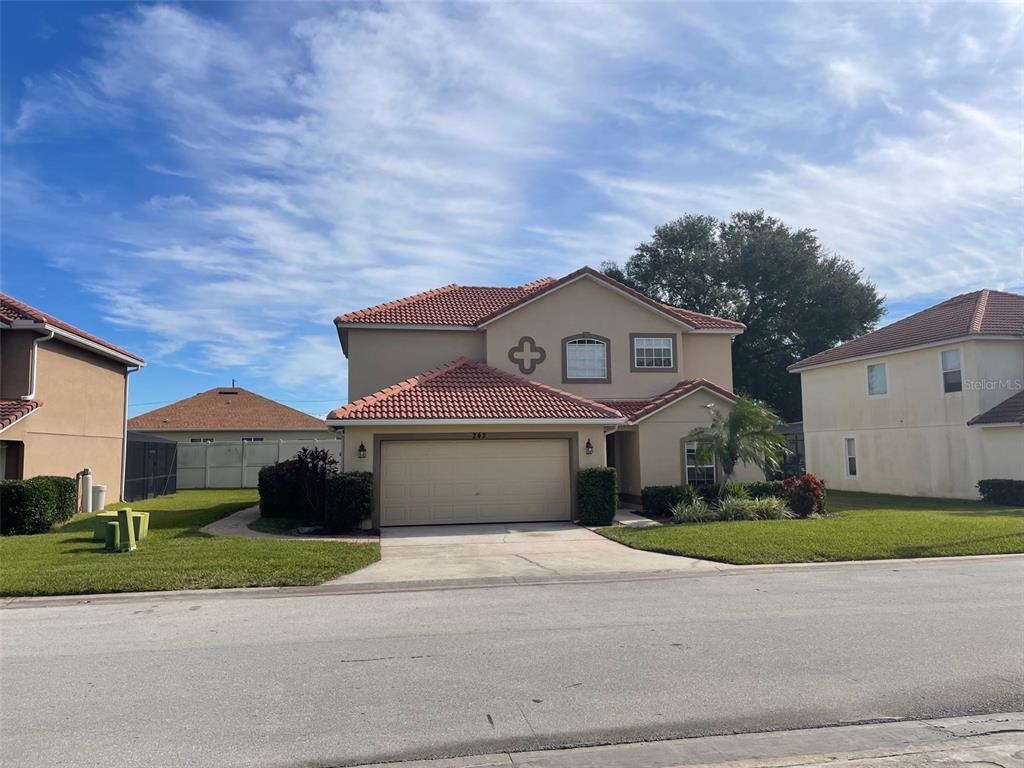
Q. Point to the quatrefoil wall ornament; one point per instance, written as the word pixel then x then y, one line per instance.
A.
pixel 527 355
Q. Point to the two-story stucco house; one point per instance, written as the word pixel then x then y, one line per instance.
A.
pixel 63 398
pixel 478 404
pixel 927 406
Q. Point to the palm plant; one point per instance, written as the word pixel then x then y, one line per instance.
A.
pixel 746 433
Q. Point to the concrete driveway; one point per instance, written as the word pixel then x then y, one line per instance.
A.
pixel 457 552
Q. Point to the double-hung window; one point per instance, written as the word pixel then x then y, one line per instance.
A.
pixel 652 353
pixel 699 473
pixel 850 445
pixel 877 380
pixel 952 377
pixel 586 359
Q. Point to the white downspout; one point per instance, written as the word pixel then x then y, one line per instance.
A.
pixel 33 365
pixel 124 434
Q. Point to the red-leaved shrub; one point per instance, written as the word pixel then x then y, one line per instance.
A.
pixel 805 495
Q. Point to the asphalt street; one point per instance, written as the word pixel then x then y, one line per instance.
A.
pixel 358 678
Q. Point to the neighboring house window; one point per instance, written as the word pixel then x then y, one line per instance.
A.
pixel 698 474
pixel 200 439
pixel 654 352
pixel 952 379
pixel 877 384
pixel 586 359
pixel 851 456
pixel 252 439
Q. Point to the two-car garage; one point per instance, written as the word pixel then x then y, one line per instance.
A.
pixel 477 479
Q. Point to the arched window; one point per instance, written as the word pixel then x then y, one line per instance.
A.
pixel 585 359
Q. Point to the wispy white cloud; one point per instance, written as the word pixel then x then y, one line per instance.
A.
pixel 315 159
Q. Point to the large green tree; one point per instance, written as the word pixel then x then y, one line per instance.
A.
pixel 795 297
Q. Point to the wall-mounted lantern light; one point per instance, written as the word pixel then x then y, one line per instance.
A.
pixel 589 447
pixel 361 451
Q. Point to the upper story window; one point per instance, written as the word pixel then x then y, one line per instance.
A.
pixel 200 439
pixel 585 359
pixel 653 352
pixel 252 439
pixel 952 377
pixel 878 380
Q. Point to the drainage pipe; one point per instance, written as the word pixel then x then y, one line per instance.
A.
pixel 33 365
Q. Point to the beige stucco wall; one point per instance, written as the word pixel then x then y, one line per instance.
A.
pixel 233 436
pixel 81 421
pixel 354 435
pixel 378 358
pixel 914 440
pixel 588 307
pixel 1000 371
pixel 627 455
pixel 661 436
pixel 707 356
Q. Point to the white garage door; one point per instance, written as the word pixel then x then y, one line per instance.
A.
pixel 474 481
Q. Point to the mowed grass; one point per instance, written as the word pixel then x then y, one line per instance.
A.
pixel 175 555
pixel 865 526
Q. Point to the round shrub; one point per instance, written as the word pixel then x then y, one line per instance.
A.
pixel 805 495
pixel 596 496
pixel 349 500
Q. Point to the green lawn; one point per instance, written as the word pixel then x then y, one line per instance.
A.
pixel 175 555
pixel 865 526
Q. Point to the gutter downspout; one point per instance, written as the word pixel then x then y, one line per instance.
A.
pixel 124 433
pixel 33 365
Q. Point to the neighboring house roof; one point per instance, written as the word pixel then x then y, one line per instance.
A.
pixel 467 390
pixel 637 410
pixel 1010 411
pixel 473 306
pixel 980 313
pixel 225 408
pixel 14 313
pixel 15 410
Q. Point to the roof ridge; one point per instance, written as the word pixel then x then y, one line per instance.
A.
pixel 979 311
pixel 398 302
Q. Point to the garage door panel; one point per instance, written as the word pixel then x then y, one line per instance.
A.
pixel 464 481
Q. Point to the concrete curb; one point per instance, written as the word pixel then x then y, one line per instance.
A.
pixel 362 588
pixel 995 740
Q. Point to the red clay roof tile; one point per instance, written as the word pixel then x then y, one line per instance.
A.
pixel 12 310
pixel 980 313
pixel 13 410
pixel 466 389
pixel 1010 411
pixel 635 410
pixel 471 306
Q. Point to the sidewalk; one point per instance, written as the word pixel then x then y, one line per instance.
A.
pixel 989 741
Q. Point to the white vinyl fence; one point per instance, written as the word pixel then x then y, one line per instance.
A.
pixel 236 464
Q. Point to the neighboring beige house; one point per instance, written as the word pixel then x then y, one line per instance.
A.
pixel 63 398
pixel 927 406
pixel 478 404
pixel 229 414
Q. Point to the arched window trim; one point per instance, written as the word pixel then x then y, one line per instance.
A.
pixel 567 379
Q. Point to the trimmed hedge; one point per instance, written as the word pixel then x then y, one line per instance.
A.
pixel 596 496
pixel 280 493
pixel 767 489
pixel 37 504
pixel 1009 492
pixel 662 499
pixel 349 500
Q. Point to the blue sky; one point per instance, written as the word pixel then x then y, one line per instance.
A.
pixel 209 184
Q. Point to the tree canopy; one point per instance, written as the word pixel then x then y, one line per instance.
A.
pixel 795 297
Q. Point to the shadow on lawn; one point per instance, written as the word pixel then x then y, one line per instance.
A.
pixel 1005 512
pixel 1014 540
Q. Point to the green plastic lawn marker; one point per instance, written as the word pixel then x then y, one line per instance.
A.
pixel 112 533
pixel 141 522
pixel 127 526
pixel 101 521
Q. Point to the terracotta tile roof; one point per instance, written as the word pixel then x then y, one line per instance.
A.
pixel 635 410
pixel 980 313
pixel 12 410
pixel 466 389
pixel 471 306
pixel 12 310
pixel 225 408
pixel 1010 411
pixel 450 305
